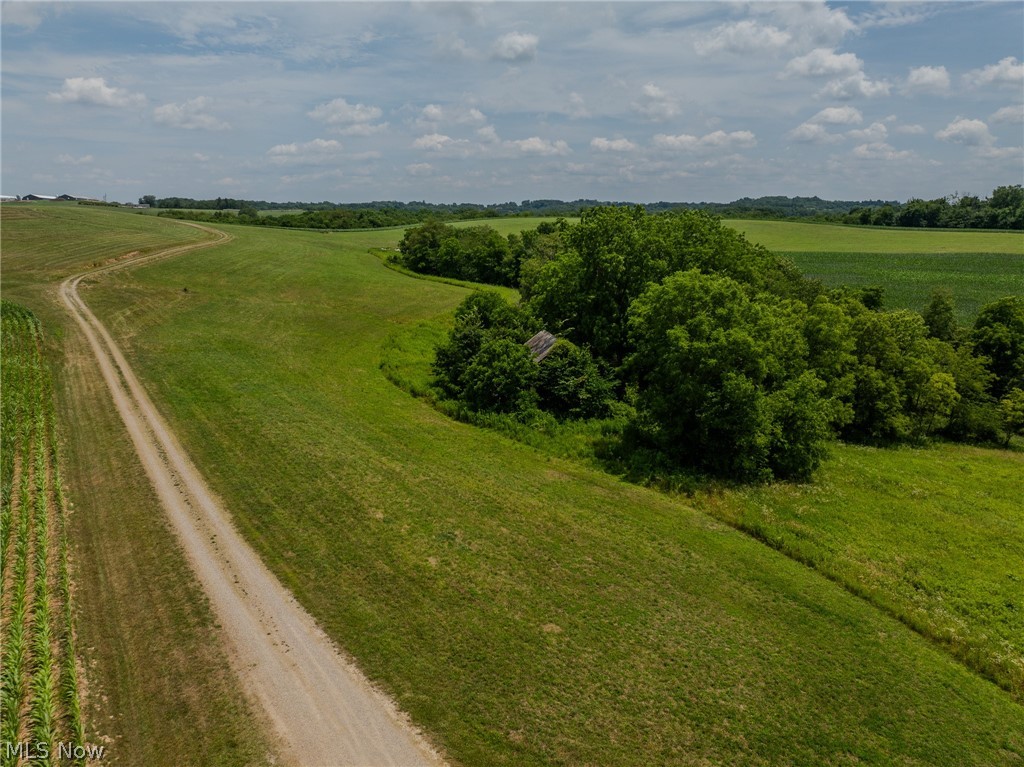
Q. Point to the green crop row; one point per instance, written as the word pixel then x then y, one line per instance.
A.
pixel 38 678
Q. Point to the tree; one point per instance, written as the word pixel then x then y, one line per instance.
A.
pixel 723 380
pixel 940 316
pixel 999 335
pixel 1012 410
pixel 501 377
pixel 148 199
pixel 570 383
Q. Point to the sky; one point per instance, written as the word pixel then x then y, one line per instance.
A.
pixel 509 101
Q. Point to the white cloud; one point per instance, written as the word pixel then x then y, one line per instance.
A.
pixel 855 86
pixel 340 114
pixel 94 90
pixel 66 159
pixel 419 169
pixel 879 150
pixel 1011 114
pixel 577 107
pixel 893 15
pixel 190 115
pixel 813 133
pixel 201 157
pixel 1008 71
pixel 612 145
pixel 471 116
pixel 741 37
pixel 435 142
pixel 315 151
pixel 537 145
pixel 24 15
pixel 973 133
pixel 927 80
pixel 838 116
pixel 910 130
pixel 873 134
pixel 363 129
pixel 1000 153
pixel 488 134
pixel 515 46
pixel 824 62
pixel 717 140
pixel 808 24
pixel 655 104
pixel 431 113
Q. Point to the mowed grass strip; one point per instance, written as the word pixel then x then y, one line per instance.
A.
pixel 524 609
pixel 934 536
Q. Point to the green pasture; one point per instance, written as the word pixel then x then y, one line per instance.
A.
pixel 792 236
pixel 978 267
pixel 523 608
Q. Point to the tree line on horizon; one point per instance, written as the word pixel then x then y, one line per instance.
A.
pixel 713 354
pixel 1003 209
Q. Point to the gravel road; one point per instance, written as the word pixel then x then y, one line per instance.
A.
pixel 322 709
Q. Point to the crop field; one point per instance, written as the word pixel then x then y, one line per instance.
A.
pixel 524 608
pixel 978 267
pixel 38 679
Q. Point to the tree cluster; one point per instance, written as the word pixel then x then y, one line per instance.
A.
pixel 1004 209
pixel 485 364
pixel 475 253
pixel 730 361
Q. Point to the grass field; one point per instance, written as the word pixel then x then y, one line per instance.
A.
pixel 524 609
pixel 933 536
pixel 791 237
pixel 979 267
pixel 146 640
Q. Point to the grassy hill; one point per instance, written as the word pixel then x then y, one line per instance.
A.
pixel 523 608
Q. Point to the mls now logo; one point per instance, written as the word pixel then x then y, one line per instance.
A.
pixel 32 751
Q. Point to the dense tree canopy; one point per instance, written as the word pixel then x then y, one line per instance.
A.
pixel 727 359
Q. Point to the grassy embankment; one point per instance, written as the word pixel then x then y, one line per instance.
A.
pixel 524 609
pixel 39 700
pixel 147 642
pixel 978 266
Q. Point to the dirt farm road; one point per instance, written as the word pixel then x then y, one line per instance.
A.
pixel 323 710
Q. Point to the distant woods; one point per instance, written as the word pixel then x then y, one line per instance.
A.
pixel 706 353
pixel 1003 209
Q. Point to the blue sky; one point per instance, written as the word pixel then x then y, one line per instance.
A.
pixel 489 102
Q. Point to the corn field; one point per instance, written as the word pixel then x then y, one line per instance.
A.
pixel 40 718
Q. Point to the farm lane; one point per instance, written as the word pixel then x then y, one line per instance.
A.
pixel 322 708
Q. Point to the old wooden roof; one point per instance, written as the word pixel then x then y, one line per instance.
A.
pixel 541 344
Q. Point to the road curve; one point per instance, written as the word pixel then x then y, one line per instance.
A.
pixel 323 710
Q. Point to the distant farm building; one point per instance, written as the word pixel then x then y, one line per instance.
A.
pixel 8 198
pixel 540 345
pixel 39 197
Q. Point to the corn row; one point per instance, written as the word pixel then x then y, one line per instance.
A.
pixel 38 675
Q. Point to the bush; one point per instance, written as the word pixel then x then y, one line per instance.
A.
pixel 501 377
pixel 570 384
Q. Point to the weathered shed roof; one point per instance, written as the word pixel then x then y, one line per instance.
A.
pixel 541 344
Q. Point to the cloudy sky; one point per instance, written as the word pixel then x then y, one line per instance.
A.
pixel 497 101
